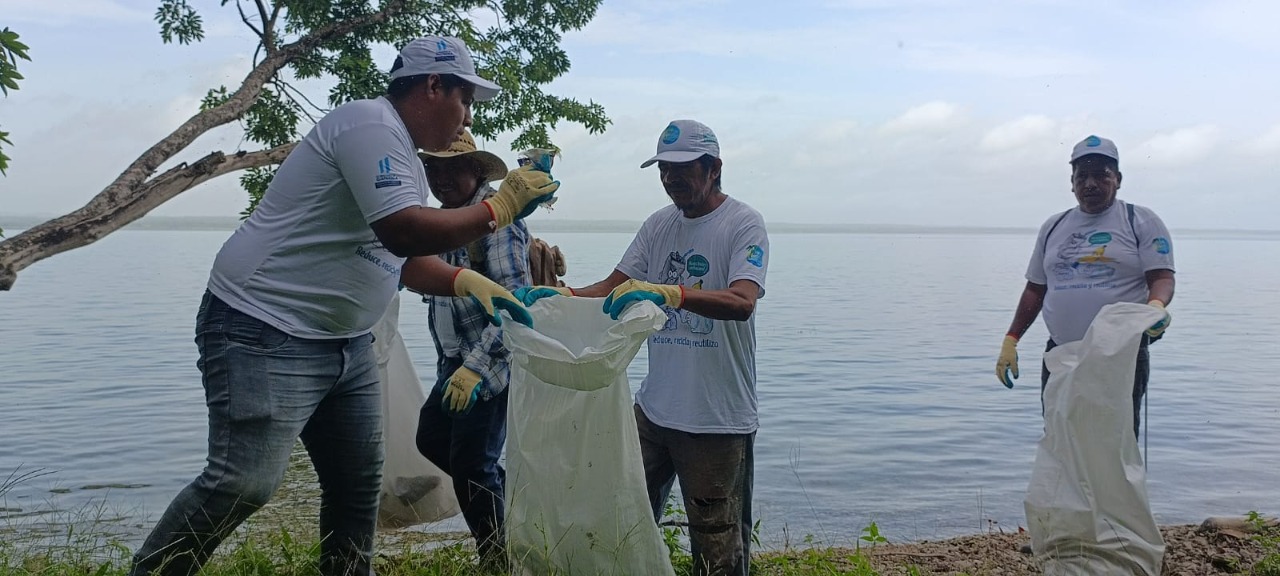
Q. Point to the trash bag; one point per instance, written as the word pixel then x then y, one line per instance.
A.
pixel 414 491
pixel 576 497
pixel 1087 507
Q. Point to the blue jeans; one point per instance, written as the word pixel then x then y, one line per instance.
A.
pixel 265 389
pixel 716 473
pixel 1141 375
pixel 467 448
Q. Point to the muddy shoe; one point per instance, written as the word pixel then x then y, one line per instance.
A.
pixel 1026 549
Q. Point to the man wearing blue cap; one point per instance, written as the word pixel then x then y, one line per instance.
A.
pixel 1101 252
pixel 283 330
pixel 703 259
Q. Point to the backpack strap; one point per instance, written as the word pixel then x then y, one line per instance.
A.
pixel 1054 227
pixel 1132 226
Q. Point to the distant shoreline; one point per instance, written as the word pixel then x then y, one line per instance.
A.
pixel 13 224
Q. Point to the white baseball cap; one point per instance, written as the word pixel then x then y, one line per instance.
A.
pixel 685 141
pixel 1095 145
pixel 442 55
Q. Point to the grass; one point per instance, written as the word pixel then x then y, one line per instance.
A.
pixel 1269 537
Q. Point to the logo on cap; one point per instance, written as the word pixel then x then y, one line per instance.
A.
pixel 670 135
pixel 1092 141
pixel 443 53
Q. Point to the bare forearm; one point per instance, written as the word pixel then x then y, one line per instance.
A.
pixel 428 275
pixel 423 231
pixel 719 304
pixel 602 288
pixel 1160 286
pixel 1028 309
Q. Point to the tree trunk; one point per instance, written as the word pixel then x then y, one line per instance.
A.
pixel 134 193
pixel 97 219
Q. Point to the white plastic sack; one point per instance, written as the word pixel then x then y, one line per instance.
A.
pixel 414 491
pixel 1087 507
pixel 576 498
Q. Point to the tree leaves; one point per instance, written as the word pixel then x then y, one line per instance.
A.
pixel 179 21
pixel 520 51
pixel 11 50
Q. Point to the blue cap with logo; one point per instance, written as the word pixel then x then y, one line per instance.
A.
pixel 1095 145
pixel 442 55
pixel 685 141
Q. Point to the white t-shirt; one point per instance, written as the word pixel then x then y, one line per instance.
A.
pixel 702 372
pixel 306 260
pixel 1092 260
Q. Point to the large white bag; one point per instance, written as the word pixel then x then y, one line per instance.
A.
pixel 414 491
pixel 576 498
pixel 1087 507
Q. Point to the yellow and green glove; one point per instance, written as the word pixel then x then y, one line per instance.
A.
pixel 491 296
pixel 635 290
pixel 520 194
pixel 1007 364
pixel 1159 327
pixel 530 294
pixel 461 391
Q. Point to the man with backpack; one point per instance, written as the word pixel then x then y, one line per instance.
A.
pixel 1100 252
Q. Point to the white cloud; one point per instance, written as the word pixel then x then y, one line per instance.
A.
pixel 1018 133
pixel 925 117
pixel 1176 147
pixel 1266 144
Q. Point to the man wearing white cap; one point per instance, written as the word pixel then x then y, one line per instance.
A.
pixel 1101 252
pixel 703 259
pixel 283 330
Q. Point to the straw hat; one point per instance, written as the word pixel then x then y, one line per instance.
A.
pixel 491 166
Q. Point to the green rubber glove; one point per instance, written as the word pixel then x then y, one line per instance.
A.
pixel 1159 327
pixel 530 294
pixel 1007 364
pixel 635 290
pixel 461 391
pixel 520 194
pixel 490 296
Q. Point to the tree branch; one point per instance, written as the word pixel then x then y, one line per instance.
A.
pixel 130 195
pixel 245 18
pixel 87 225
pixel 268 23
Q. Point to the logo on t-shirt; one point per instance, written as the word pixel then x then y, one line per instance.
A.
pixel 698 265
pixel 1162 245
pixel 385 177
pixel 755 256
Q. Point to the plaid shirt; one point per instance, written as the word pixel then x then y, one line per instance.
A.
pixel 504 258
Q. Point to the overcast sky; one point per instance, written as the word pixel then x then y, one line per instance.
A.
pixel 836 111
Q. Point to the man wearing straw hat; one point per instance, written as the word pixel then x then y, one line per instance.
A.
pixel 463 424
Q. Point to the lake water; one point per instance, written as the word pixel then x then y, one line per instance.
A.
pixel 877 395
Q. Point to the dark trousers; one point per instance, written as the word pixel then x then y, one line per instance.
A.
pixel 1141 375
pixel 467 449
pixel 716 472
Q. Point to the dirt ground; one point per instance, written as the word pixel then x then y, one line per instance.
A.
pixel 1189 551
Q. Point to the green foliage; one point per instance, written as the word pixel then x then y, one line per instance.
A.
pixel 11 50
pixel 1269 538
pixel 255 182
pixel 871 535
pixel 521 52
pixel 179 21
